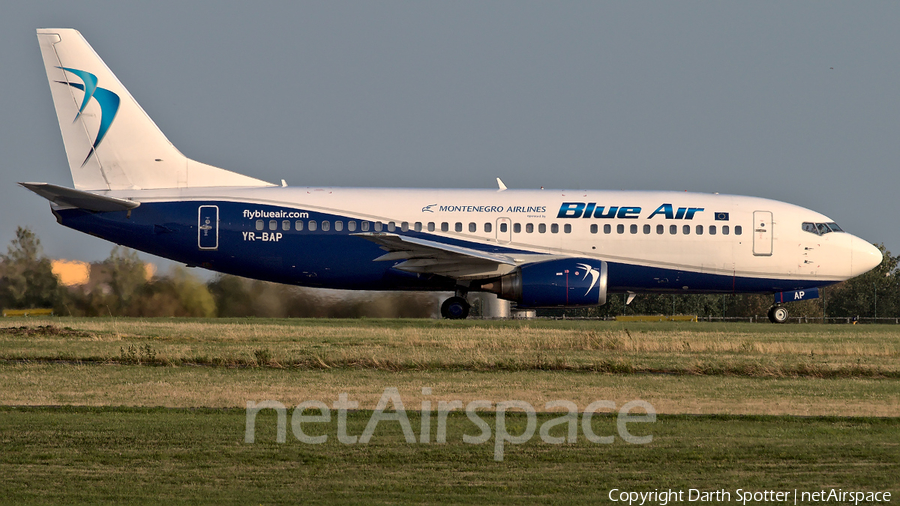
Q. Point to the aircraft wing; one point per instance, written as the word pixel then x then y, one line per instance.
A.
pixel 430 257
pixel 68 197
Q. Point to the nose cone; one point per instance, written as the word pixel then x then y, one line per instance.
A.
pixel 864 257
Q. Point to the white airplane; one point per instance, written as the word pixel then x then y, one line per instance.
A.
pixel 539 248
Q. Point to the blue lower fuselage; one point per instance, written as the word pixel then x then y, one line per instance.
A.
pixel 337 258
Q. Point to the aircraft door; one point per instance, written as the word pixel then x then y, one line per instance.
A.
pixel 762 233
pixel 504 230
pixel 208 227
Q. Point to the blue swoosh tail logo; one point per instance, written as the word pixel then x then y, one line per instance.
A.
pixel 108 101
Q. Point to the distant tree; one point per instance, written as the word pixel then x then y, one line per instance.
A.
pixel 178 293
pixel 859 296
pixel 127 278
pixel 236 296
pixel 232 296
pixel 240 297
pixel 26 276
pixel 702 305
pixel 122 289
pixel 193 294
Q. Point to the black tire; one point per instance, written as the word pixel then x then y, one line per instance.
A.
pixel 778 314
pixel 455 308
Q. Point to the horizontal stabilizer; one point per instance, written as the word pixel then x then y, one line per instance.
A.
pixel 69 197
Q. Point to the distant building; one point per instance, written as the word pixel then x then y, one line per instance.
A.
pixel 71 272
pixel 75 273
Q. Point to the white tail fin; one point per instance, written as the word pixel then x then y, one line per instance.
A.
pixel 110 141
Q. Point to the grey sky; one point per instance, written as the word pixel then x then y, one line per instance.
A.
pixel 792 101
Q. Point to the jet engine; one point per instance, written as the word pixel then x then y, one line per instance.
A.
pixel 566 282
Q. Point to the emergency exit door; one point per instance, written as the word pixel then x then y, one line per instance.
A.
pixel 762 233
pixel 504 230
pixel 208 227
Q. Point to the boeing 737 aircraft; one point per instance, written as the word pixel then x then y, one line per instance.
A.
pixel 539 248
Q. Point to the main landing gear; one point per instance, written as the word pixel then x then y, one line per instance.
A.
pixel 778 314
pixel 456 307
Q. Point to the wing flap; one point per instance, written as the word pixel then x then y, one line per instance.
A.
pixel 431 257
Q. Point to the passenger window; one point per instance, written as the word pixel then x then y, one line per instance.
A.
pixel 260 225
pixel 458 226
pixel 593 228
pixel 473 227
pixel 404 226
pixel 542 228
pixel 445 227
pixel 724 229
pixel 273 225
pixel 567 228
pixel 503 227
pixel 338 226
pixel 607 229
pixel 298 225
pixel 392 226
pixel 379 226
pixel 646 229
pixel 488 227
pixel 286 225
pixel 712 230
pixel 431 226
pixel 326 226
pixel 554 228
pixel 529 228
pixel 699 229
pixel 312 225
pixel 633 229
pixel 673 229
pixel 686 230
pixel 738 230
pixel 418 226
pixel 364 226
pixel 351 226
pixel 620 229
pixel 660 229
pixel 517 228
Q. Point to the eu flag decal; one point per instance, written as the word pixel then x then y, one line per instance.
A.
pixel 721 216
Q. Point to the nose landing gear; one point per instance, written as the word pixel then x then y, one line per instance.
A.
pixel 778 314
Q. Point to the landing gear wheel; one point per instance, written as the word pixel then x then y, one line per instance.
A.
pixel 455 308
pixel 778 314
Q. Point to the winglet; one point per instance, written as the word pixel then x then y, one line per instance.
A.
pixel 501 185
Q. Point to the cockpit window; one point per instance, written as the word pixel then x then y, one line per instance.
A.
pixel 821 228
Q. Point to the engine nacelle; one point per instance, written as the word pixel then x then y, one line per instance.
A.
pixel 567 282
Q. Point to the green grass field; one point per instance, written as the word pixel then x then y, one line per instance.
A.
pixel 123 410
